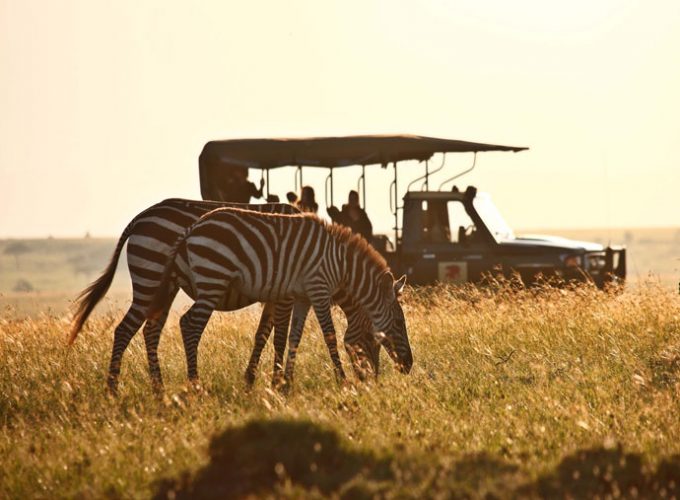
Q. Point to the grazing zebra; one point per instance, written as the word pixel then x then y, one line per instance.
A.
pixel 272 257
pixel 150 236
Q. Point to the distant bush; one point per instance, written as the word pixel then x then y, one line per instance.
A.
pixel 17 248
pixel 86 264
pixel 23 286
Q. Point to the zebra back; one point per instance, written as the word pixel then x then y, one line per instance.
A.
pixel 168 214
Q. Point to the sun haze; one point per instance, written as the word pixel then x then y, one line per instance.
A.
pixel 105 106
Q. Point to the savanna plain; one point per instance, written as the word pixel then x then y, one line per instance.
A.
pixel 544 392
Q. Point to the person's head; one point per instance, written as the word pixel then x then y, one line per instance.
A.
pixel 307 195
pixel 353 199
pixel 291 197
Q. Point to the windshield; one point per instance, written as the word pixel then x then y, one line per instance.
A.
pixel 493 219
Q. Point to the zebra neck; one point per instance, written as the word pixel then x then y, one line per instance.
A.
pixel 361 278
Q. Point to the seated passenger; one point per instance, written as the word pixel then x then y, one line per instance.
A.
pixel 353 216
pixel 436 223
pixel 307 203
pixel 236 188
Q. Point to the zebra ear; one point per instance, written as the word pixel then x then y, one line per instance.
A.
pixel 387 282
pixel 399 285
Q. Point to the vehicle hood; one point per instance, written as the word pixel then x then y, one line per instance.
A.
pixel 539 240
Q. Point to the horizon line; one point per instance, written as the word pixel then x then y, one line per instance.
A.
pixel 526 230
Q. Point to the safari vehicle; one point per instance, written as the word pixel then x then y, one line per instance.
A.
pixel 446 235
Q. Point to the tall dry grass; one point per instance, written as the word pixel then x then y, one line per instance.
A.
pixel 513 393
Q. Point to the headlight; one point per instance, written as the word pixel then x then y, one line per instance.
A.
pixel 573 261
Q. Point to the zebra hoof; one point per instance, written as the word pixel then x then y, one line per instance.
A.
pixel 157 390
pixel 282 385
pixel 250 378
pixel 112 388
pixel 347 385
pixel 195 387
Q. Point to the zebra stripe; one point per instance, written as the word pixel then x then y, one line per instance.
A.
pixel 273 257
pixel 150 236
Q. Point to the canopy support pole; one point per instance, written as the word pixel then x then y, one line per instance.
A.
pixel 329 179
pixel 361 185
pixel 427 175
pixel 474 162
pixel 267 181
pixel 396 208
pixel 298 179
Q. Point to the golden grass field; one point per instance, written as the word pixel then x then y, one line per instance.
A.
pixel 514 393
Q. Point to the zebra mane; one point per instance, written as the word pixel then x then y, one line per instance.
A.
pixel 340 233
pixel 357 243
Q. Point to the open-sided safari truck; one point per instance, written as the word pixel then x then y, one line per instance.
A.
pixel 447 235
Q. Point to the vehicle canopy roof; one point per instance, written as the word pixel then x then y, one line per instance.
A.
pixel 331 152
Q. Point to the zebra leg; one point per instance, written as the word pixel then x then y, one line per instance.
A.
pixel 192 325
pixel 322 308
pixel 300 311
pixel 152 335
pixel 261 336
pixel 352 336
pixel 282 315
pixel 126 329
pixel 359 341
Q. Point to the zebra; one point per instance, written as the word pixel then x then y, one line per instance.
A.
pixel 271 257
pixel 150 236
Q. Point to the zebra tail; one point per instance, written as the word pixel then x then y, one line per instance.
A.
pixel 90 297
pixel 160 300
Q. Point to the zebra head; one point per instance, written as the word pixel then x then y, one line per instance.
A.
pixel 391 326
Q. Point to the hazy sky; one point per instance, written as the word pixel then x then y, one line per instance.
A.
pixel 105 106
